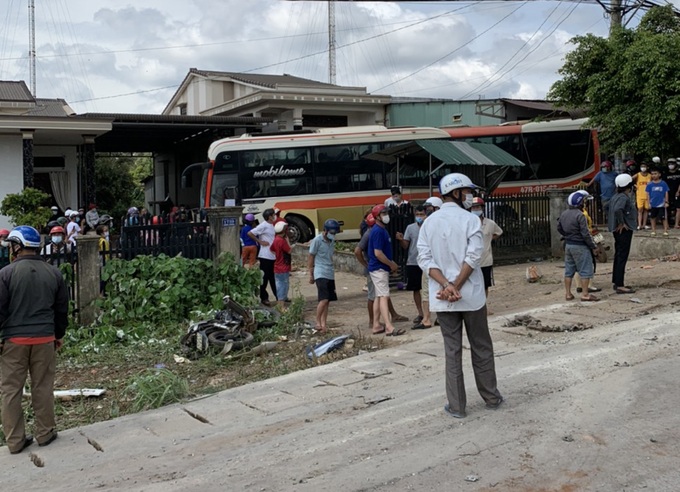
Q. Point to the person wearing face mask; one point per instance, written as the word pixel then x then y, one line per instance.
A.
pixel 395 200
pixel 4 248
pixel 263 235
pixel 490 232
pixel 414 275
pixel 640 180
pixel 322 271
pixel 92 217
pixel 672 179
pixel 450 248
pixel 605 182
pixel 380 265
pixel 54 251
pixel 73 228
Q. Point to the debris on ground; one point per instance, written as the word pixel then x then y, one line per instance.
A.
pixel 675 257
pixel 533 274
pixel 327 346
pixel 472 478
pixel 532 323
pixel 635 300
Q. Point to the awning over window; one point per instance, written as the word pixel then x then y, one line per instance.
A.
pixel 472 153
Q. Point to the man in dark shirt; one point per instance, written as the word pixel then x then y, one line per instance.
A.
pixel 622 221
pixel 33 320
pixel 672 179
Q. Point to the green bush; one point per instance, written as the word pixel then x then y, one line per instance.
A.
pixel 164 290
pixel 29 207
pixel 156 388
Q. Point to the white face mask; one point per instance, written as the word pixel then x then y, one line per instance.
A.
pixel 385 219
pixel 4 244
pixel 478 213
pixel 643 169
pixel 330 236
pixel 467 203
pixel 671 166
pixel 57 239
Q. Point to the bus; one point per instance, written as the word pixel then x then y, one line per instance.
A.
pixel 556 154
pixel 310 176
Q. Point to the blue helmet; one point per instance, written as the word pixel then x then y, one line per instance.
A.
pixel 332 226
pixel 26 236
pixel 575 199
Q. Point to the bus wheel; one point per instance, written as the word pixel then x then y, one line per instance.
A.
pixel 298 231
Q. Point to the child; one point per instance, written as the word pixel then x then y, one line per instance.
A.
pixel 281 248
pixel 640 180
pixel 657 197
pixel 249 251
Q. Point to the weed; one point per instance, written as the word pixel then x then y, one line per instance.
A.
pixel 156 388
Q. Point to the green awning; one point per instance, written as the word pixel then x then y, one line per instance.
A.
pixel 472 153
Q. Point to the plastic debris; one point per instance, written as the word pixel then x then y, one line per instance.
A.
pixel 328 346
pixel 635 300
pixel 472 478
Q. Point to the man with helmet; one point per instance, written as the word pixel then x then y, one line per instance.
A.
pixel 605 182
pixel 578 257
pixel 72 228
pixel 490 232
pixel 621 223
pixel 432 204
pixel 450 247
pixel 55 251
pixel 322 272
pixel 33 320
pixel 248 244
pixel 672 179
pixel 263 235
pixel 282 265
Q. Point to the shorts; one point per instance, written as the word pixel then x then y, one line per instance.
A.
pixel 414 278
pixel 325 288
pixel 370 287
pixel 282 281
pixel 658 213
pixel 425 283
pixel 487 272
pixel 578 259
pixel 381 282
pixel 642 202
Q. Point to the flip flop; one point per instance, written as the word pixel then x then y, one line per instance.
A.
pixel 594 289
pixel 590 298
pixel 417 319
pixel 378 332
pixel 625 290
pixel 420 326
pixel 320 329
pixel 399 317
pixel 569 297
pixel 395 333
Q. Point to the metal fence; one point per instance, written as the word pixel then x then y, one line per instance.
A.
pixel 525 219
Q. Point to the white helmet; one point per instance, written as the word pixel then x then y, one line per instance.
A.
pixel 586 195
pixel 455 181
pixel 280 226
pixel 623 180
pixel 656 159
pixel 435 201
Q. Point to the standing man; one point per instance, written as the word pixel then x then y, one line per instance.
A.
pixel 622 215
pixel 490 232
pixel 33 320
pixel 414 275
pixel 263 235
pixel 380 265
pixel 4 248
pixel 450 247
pixel 605 181
pixel 72 229
pixel 395 200
pixel 322 272
pixel 673 181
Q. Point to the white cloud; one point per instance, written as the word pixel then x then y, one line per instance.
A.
pixel 229 35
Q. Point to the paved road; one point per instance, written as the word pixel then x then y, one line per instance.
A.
pixel 592 410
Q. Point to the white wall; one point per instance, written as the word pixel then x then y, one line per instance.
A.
pixel 11 169
pixel 70 155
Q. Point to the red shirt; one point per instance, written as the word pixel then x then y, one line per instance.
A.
pixel 281 249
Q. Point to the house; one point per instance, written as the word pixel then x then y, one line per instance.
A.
pixel 291 102
pixel 44 145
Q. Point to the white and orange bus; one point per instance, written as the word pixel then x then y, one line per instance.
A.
pixel 556 154
pixel 309 176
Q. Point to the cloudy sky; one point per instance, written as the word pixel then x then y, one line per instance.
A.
pixel 114 56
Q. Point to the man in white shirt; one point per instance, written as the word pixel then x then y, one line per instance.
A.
pixel 450 247
pixel 395 200
pixel 73 228
pixel 263 235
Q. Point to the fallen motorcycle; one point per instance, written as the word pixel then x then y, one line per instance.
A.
pixel 230 329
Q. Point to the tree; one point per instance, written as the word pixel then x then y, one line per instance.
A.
pixel 119 186
pixel 27 208
pixel 630 83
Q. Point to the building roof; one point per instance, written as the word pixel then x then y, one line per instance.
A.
pixel 50 107
pixel 263 80
pixel 15 91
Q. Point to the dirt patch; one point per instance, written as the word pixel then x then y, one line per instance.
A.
pixel 535 324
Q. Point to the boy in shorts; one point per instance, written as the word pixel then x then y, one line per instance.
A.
pixel 657 197
pixel 322 272
pixel 409 240
pixel 641 180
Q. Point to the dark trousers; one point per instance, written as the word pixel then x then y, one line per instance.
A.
pixel 481 350
pixel 622 242
pixel 267 267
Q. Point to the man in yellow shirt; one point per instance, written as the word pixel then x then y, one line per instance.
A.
pixel 640 180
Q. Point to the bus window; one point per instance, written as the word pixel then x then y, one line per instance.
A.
pixel 278 187
pixel 223 186
pixel 276 157
pixel 357 175
pixel 226 161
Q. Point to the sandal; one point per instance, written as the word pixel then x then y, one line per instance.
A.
pixel 417 319
pixel 625 290
pixel 420 326
pixel 395 332
pixel 569 297
pixel 399 317
pixel 590 298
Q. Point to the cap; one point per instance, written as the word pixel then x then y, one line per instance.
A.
pixel 250 217
pixel 54 207
pixel 477 201
pixel 92 205
pixel 395 190
pixel 607 164
pixel 280 226
pixel 73 213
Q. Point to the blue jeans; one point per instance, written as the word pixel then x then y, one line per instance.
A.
pixel 577 258
pixel 282 284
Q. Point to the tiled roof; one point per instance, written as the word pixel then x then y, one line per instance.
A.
pixel 264 80
pixel 15 92
pixel 50 107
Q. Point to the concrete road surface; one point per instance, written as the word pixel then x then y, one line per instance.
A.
pixel 591 410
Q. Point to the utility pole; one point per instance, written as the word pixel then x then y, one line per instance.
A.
pixel 31 46
pixel 616 16
pixel 331 42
